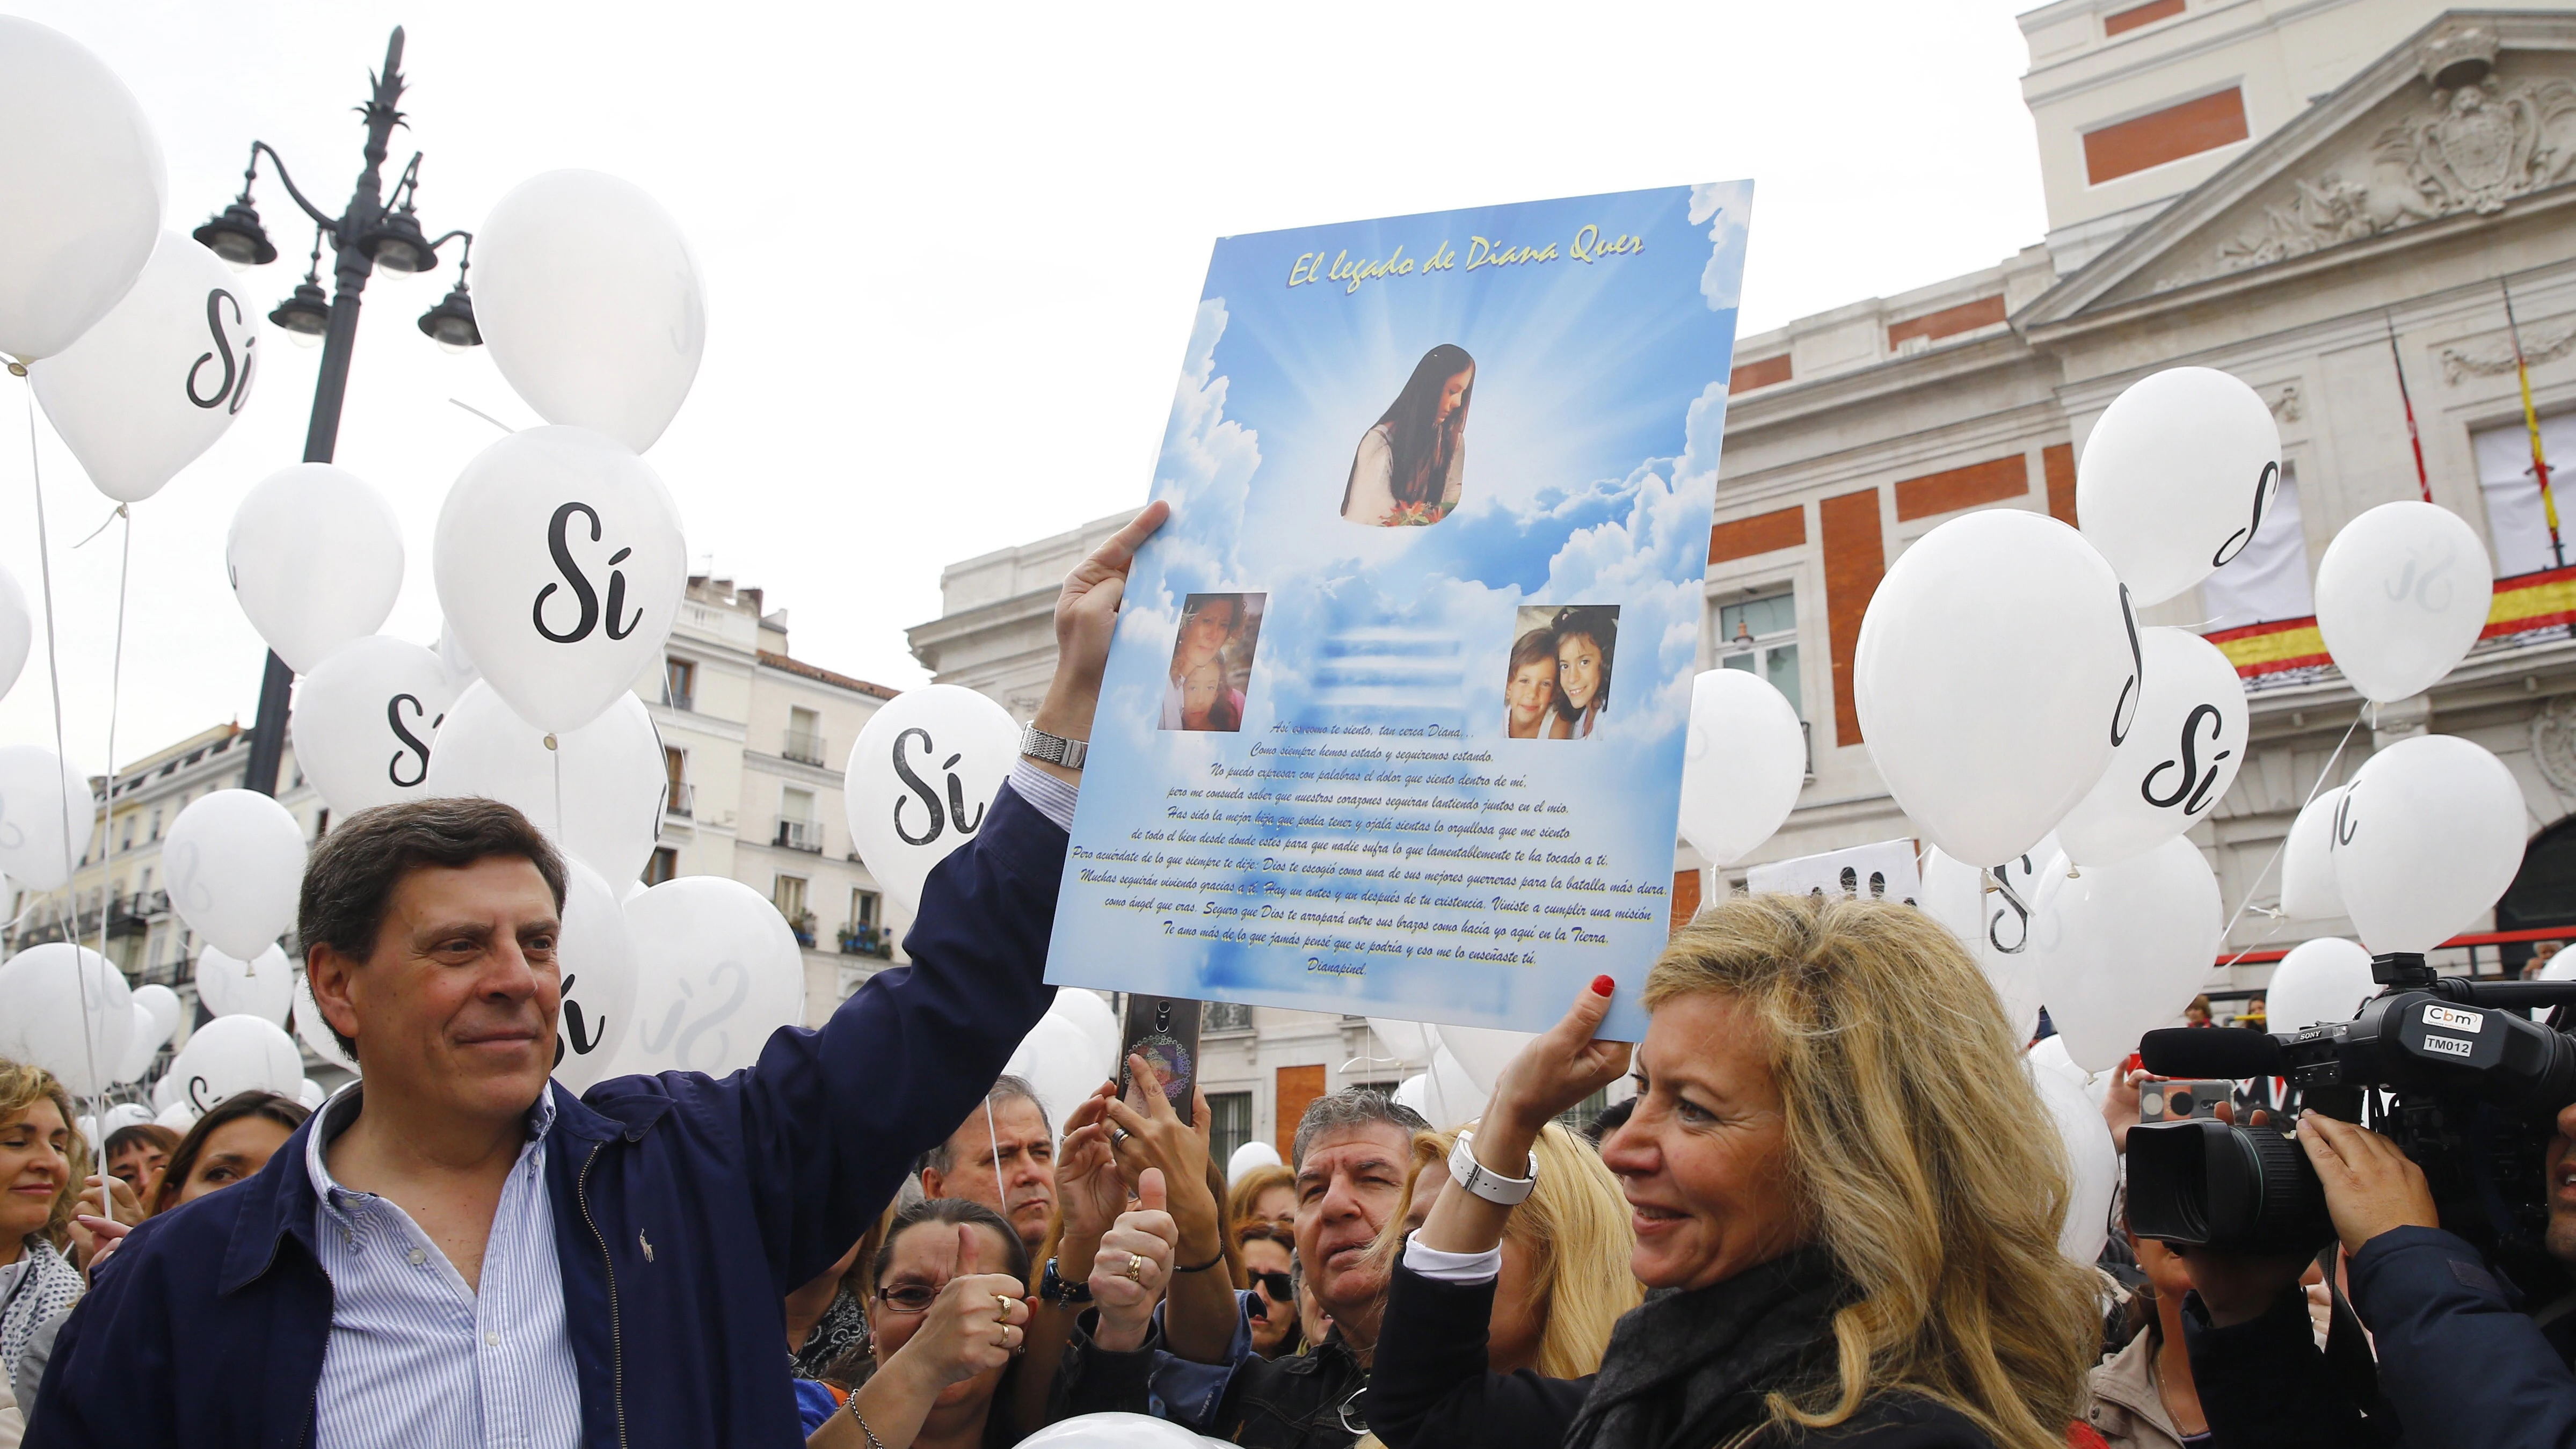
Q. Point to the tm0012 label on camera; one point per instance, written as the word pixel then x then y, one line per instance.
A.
pixel 2456 1020
pixel 2449 1046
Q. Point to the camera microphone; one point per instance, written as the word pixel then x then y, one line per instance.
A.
pixel 2210 1053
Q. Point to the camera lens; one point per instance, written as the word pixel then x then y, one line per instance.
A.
pixel 2178 1104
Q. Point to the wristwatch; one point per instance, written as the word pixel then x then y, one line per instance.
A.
pixel 1483 1181
pixel 1057 1291
pixel 1037 744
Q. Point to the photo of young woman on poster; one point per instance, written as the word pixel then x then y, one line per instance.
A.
pixel 1212 662
pixel 1532 686
pixel 1409 464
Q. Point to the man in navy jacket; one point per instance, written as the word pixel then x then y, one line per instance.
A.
pixel 2460 1361
pixel 671 1214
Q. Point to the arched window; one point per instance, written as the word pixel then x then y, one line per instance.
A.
pixel 2543 893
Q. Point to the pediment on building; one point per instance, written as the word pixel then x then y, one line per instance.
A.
pixel 2473 116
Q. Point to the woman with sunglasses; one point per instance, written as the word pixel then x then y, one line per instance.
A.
pixel 946 1332
pixel 1268 1251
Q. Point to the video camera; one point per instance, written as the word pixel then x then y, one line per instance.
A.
pixel 2455 1072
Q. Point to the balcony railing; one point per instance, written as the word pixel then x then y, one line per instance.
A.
pixel 1807 732
pixel 682 799
pixel 802 746
pixel 800 835
pixel 679 698
pixel 874 941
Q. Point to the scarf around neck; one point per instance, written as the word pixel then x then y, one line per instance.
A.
pixel 1691 1368
pixel 46 1286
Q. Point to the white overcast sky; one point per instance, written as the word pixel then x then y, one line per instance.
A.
pixel 952 252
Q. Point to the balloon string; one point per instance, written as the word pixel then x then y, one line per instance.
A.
pixel 107 819
pixel 54 676
pixel 995 1138
pixel 2257 883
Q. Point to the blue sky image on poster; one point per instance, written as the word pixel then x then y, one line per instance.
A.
pixel 1394 717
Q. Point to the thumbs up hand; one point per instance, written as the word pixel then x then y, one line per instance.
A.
pixel 1132 1268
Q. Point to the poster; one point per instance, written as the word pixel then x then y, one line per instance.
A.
pixel 1394 715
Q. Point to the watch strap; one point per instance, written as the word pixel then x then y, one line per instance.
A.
pixel 1055 1290
pixel 1037 744
pixel 1483 1181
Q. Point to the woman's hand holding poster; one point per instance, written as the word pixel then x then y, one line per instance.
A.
pixel 1384 730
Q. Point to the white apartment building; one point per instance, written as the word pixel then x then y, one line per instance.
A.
pixel 2307 195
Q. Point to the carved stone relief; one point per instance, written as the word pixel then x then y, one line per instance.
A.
pixel 2286 407
pixel 2490 356
pixel 2470 149
pixel 2553 742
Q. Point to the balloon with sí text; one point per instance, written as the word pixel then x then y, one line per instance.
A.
pixel 921 779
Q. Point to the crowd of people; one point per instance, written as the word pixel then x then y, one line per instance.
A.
pixel 1829 1214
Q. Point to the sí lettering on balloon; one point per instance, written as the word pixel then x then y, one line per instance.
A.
pixel 234 389
pixel 583 1042
pixel 2126 711
pixel 414 747
pixel 940 819
pixel 2264 487
pixel 559 545
pixel 2192 790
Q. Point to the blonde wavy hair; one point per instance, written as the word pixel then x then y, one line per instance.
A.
pixel 1919 1151
pixel 23 1086
pixel 1574 1229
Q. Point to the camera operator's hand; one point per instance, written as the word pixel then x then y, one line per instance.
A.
pixel 2120 1106
pixel 2371 1186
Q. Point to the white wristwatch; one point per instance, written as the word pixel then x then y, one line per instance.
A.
pixel 1483 1181
pixel 1037 744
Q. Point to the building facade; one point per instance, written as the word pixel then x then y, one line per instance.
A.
pixel 2314 197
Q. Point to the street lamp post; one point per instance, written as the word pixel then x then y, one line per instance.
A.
pixel 373 230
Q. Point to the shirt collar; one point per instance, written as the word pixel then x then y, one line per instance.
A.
pixel 342 1109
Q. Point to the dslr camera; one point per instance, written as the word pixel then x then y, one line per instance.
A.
pixel 2455 1072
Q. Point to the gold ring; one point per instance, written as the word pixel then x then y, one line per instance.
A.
pixel 1002 1305
pixel 1135 1269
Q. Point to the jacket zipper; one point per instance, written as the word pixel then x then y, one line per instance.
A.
pixel 616 1342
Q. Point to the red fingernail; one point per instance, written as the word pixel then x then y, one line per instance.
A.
pixel 1603 985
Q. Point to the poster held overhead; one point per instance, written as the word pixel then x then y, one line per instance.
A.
pixel 1395 714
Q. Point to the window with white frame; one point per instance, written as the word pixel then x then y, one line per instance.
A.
pixel 1760 636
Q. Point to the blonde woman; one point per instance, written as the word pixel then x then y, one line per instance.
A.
pixel 1854 1237
pixel 42 1163
pixel 1564 1279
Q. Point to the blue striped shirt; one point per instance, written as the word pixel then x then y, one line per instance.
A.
pixel 416 1357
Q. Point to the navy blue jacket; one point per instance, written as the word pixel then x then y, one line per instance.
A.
pixel 685 1207
pixel 2458 1362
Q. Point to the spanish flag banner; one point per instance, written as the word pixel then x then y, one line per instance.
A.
pixel 2523 604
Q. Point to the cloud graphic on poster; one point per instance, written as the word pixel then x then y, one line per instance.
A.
pixel 1208 459
pixel 1730 205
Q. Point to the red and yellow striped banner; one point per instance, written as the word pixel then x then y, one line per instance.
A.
pixel 2522 603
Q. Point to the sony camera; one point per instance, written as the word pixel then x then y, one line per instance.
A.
pixel 2455 1072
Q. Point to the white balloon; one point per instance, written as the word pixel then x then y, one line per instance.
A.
pixel 2308 889
pixel 1996 669
pixel 716 973
pixel 230 986
pixel 140 1047
pixel 1453 1095
pixel 42 798
pixel 364 719
pixel 17 630
pixel 2124 947
pixel 1994 922
pixel 1414 1092
pixel 1085 1009
pixel 1406 1041
pixel 235 861
pixel 2325 980
pixel 66 1009
pixel 921 779
pixel 613 782
pixel 2092 1161
pixel 1253 1156
pixel 2050 1055
pixel 589 302
pixel 316 558
pixel 1482 1052
pixel 1062 1064
pixel 165 1092
pixel 2181 753
pixel 596 958
pixel 315 1032
pixel 83 180
pixel 1743 767
pixel 122 1115
pixel 1113 1431
pixel 2402 594
pixel 2175 478
pixel 2426 838
pixel 312 1094
pixel 452 656
pixel 165 1008
pixel 177 1116
pixel 234 1054
pixel 560 566
pixel 149 389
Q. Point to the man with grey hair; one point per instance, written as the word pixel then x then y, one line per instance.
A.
pixel 1003 1156
pixel 1351 1153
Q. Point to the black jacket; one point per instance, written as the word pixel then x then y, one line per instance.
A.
pixel 2458 1362
pixel 1311 1400
pixel 1432 1389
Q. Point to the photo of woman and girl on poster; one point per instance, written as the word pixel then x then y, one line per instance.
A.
pixel 1559 684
